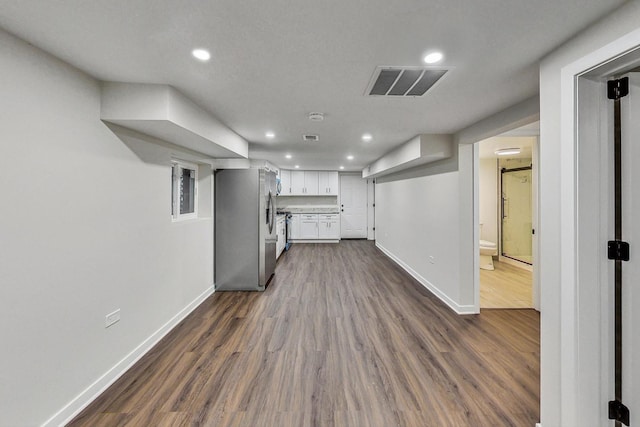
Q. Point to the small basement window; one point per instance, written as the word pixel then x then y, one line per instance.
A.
pixel 184 191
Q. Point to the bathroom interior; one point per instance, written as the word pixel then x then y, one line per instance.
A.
pixel 506 195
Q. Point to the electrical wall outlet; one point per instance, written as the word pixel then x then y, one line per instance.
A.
pixel 432 260
pixel 112 318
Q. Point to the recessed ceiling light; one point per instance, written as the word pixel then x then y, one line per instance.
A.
pixel 270 135
pixel 367 137
pixel 288 156
pixel 341 167
pixel 316 117
pixel 297 166
pixel 349 157
pixel 433 57
pixel 201 54
pixel 507 151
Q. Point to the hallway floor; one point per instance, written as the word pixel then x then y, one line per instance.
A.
pixel 341 337
pixel 505 287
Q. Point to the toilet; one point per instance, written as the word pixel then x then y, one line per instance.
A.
pixel 487 250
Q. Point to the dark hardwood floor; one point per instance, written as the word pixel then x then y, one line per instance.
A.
pixel 341 337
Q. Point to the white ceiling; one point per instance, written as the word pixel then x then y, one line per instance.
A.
pixel 274 62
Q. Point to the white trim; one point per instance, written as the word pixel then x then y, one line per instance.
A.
pixel 80 402
pixel 459 309
pixel 476 227
pixel 572 336
pixel 516 263
pixel 313 241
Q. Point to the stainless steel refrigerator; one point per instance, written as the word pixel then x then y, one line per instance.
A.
pixel 245 229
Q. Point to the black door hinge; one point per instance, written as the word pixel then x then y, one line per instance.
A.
pixel 617 89
pixel 618 412
pixel 618 250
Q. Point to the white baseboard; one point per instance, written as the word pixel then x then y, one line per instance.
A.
pixel 73 408
pixel 459 309
pixel 538 425
pixel 314 241
pixel 515 263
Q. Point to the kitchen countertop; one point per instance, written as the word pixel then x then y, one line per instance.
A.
pixel 313 209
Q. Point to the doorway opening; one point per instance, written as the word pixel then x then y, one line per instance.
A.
pixel 516 228
pixel 507 173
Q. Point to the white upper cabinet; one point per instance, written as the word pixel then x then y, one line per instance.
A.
pixel 309 183
pixel 304 183
pixel 285 182
pixel 297 183
pixel 328 183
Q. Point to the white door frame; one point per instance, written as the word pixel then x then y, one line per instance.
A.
pixel 586 312
pixel 535 277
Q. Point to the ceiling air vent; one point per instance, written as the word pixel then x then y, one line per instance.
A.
pixel 310 138
pixel 404 81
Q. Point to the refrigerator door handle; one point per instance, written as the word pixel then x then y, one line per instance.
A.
pixel 270 213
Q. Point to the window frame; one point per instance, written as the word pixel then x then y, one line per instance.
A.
pixel 177 166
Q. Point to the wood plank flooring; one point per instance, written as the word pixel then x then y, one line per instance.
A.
pixel 505 287
pixel 341 337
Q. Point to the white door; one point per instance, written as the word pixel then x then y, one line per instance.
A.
pixel 353 207
pixel 630 115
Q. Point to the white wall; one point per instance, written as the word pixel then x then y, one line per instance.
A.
pixel 488 174
pixel 427 212
pixel 560 318
pixel 85 229
pixel 284 201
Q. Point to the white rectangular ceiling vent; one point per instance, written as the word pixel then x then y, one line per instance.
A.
pixel 310 138
pixel 404 81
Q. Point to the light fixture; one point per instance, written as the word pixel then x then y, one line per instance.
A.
pixel 367 137
pixel 507 151
pixel 433 57
pixel 297 166
pixel 201 54
pixel 349 157
pixel 270 135
pixel 288 156
pixel 341 167
pixel 316 117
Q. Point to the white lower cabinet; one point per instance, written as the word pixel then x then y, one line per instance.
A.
pixel 329 226
pixel 308 226
pixel 315 227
